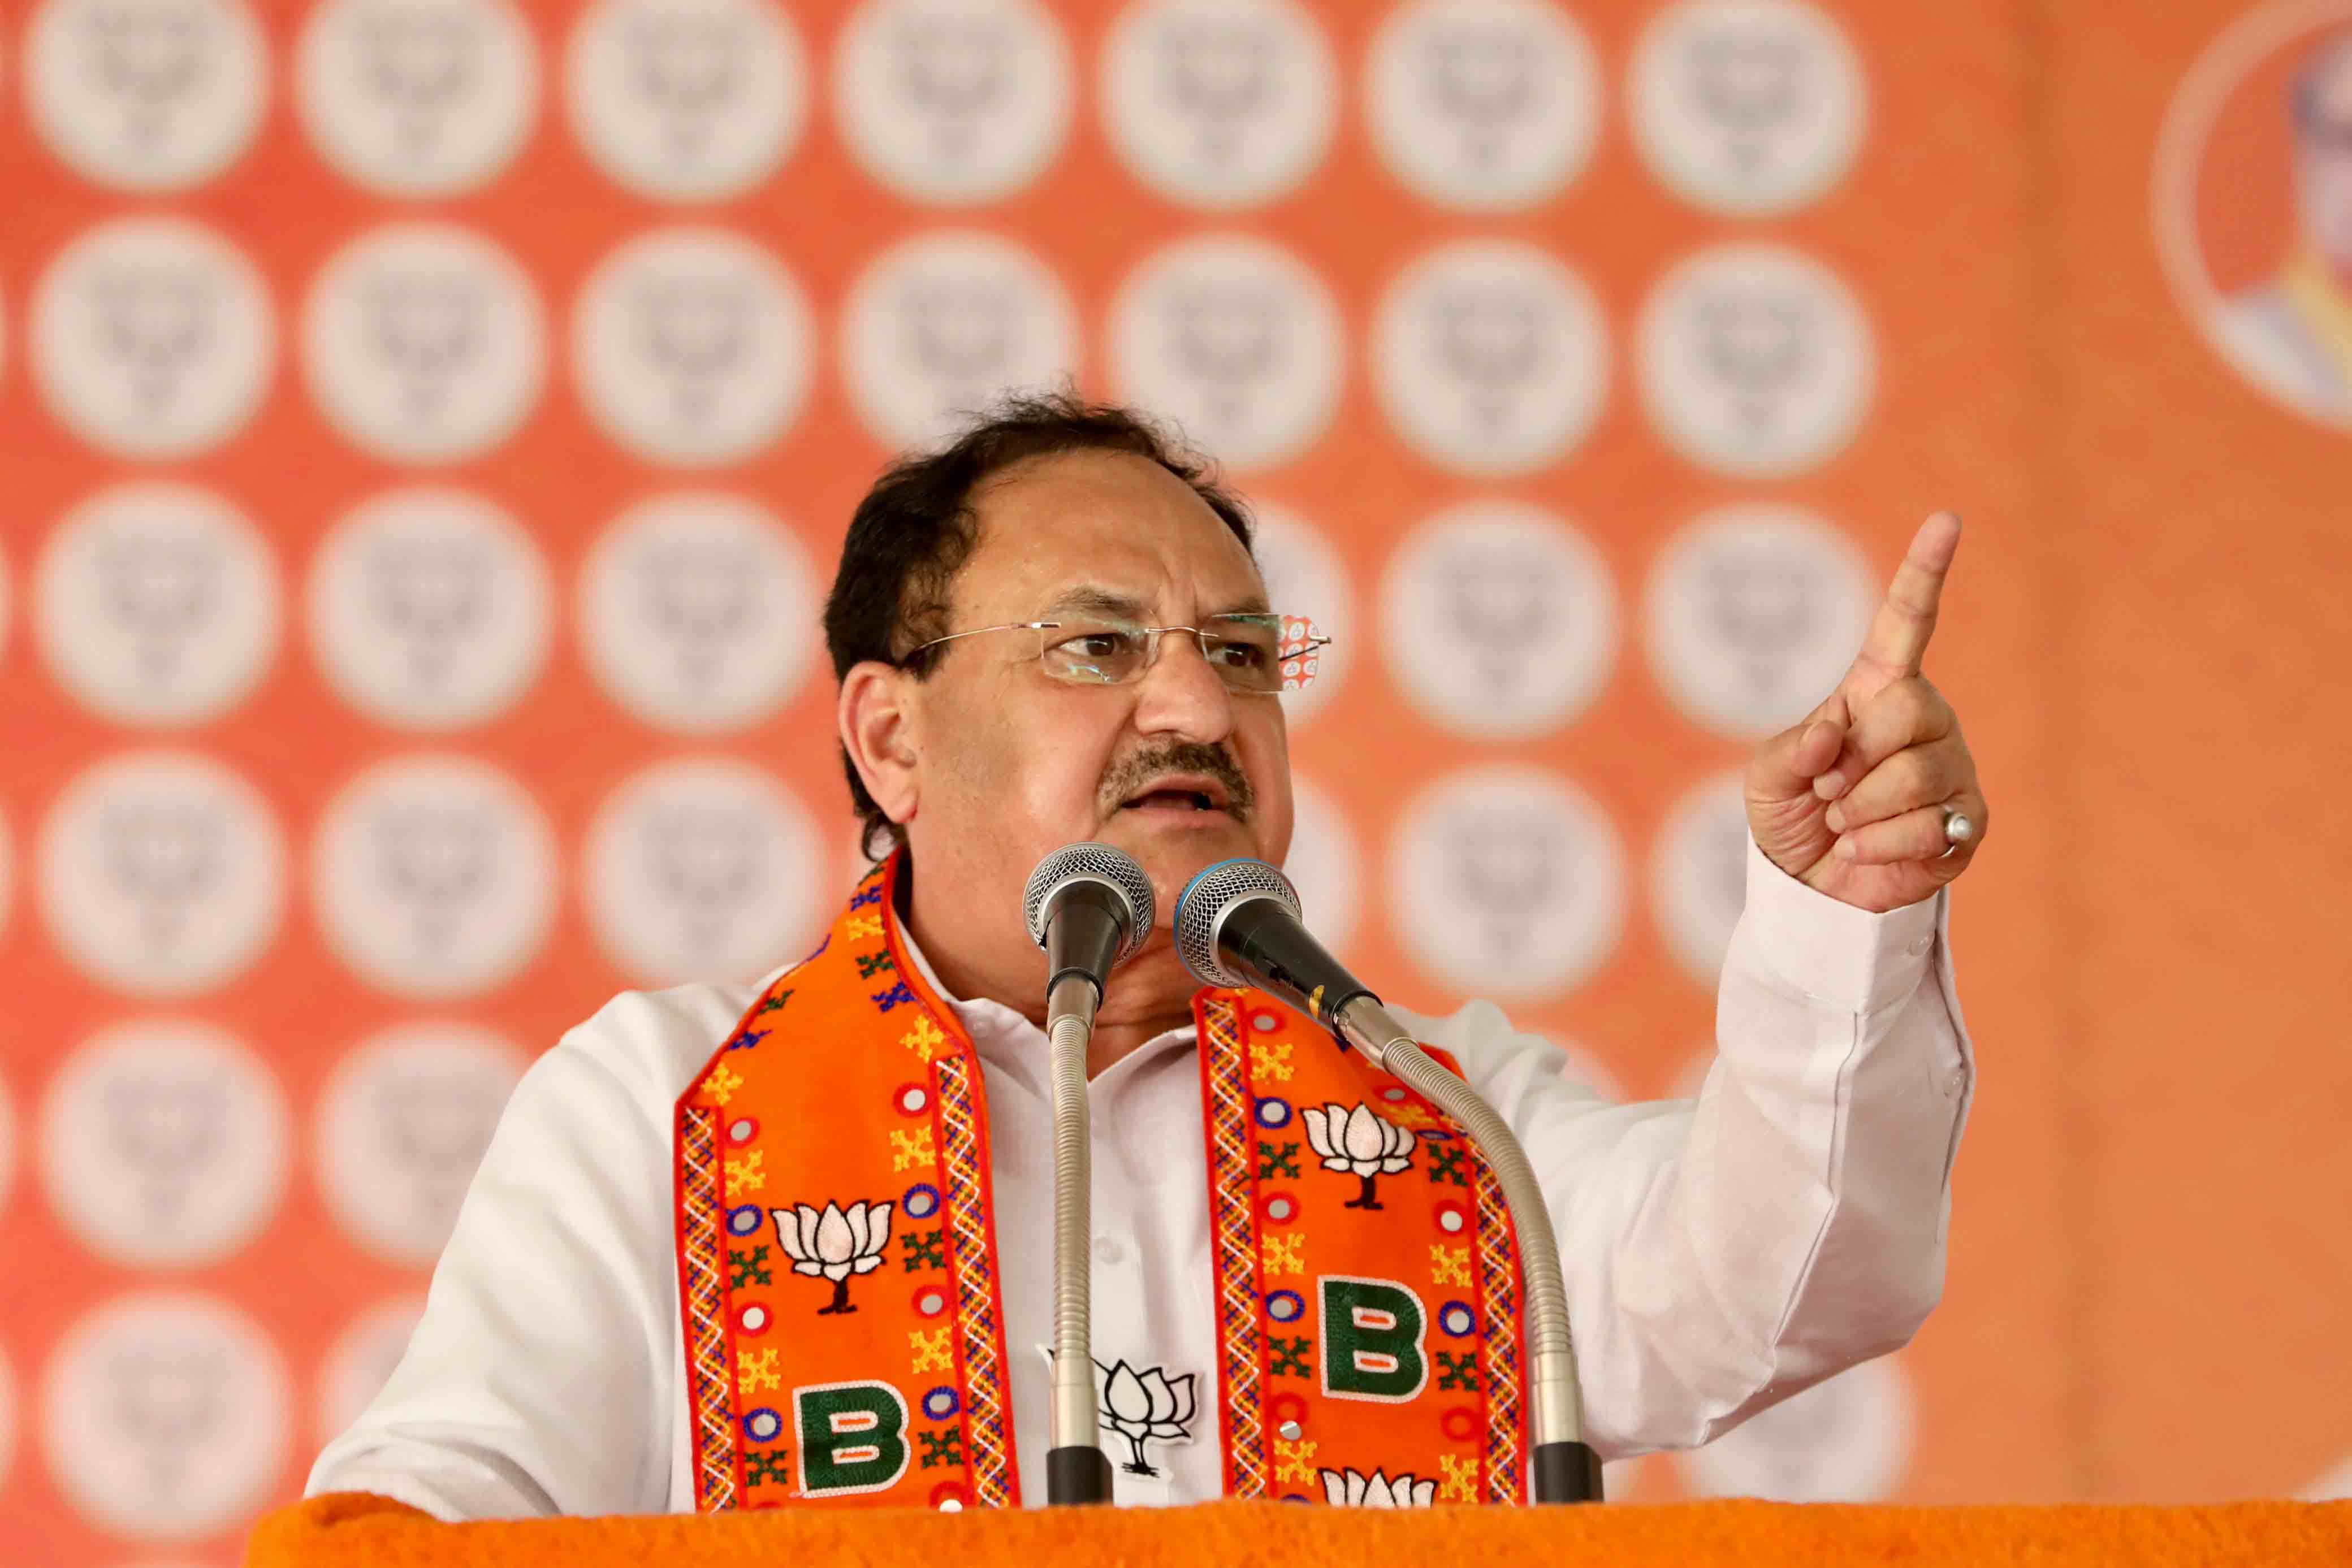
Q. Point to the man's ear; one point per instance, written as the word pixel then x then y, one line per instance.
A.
pixel 878 726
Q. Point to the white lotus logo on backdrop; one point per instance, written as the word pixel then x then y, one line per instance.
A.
pixel 953 101
pixel 1482 105
pixel 1754 360
pixel 687 99
pixel 146 95
pixel 1363 1144
pixel 1352 1489
pixel 1145 1405
pixel 1219 103
pixel 418 97
pixel 1746 107
pixel 835 1245
pixel 152 336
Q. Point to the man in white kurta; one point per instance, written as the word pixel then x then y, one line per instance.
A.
pixel 1719 1254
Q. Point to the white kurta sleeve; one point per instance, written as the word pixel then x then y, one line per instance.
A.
pixel 1723 1253
pixel 539 1380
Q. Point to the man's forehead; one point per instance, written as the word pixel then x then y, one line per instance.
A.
pixel 1109 531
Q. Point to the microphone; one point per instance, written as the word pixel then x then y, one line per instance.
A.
pixel 1237 924
pixel 1089 906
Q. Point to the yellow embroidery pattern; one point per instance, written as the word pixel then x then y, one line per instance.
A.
pixel 858 927
pixel 1449 1265
pixel 723 1084
pixel 1294 1461
pixel 744 1174
pixel 930 1350
pixel 1461 1484
pixel 1270 1061
pixel 757 1369
pixel 924 1039
pixel 1281 1253
pixel 912 1148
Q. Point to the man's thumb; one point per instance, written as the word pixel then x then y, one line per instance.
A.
pixel 1785 766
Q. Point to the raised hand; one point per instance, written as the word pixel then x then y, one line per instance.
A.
pixel 1852 801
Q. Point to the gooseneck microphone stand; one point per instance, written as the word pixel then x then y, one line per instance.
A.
pixel 1237 924
pixel 1090 907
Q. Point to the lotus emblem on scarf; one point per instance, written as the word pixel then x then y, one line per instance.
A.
pixel 836 1244
pixel 1350 1488
pixel 1359 1143
pixel 1147 1404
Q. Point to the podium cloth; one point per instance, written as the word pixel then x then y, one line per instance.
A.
pixel 353 1530
pixel 1719 1254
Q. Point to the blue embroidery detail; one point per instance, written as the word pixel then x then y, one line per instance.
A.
pixel 890 999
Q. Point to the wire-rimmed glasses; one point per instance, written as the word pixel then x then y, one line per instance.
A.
pixel 1255 653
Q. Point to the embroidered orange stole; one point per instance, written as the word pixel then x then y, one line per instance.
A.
pixel 837 1272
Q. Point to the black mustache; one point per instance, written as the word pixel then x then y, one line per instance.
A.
pixel 1135 775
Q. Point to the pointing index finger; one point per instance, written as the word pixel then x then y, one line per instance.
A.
pixel 1898 635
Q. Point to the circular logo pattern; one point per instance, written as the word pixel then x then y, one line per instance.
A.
pixel 1507 882
pixel 703 867
pixel 178 1393
pixel 429 608
pixel 1236 341
pixel 953 101
pixel 2253 201
pixel 1699 875
pixel 1754 360
pixel 1303 575
pixel 164 1143
pixel 1500 619
pixel 693 347
pixel 161 873
pixel 1845 1440
pixel 1219 103
pixel 1753 614
pixel 146 95
pixel 401 1124
pixel 698 613
pixel 418 97
pixel 157 603
pixel 434 876
pixel 361 1361
pixel 686 101
pixel 1490 357
pixel 1746 107
pixel 1324 864
pixel 1482 105
pixel 423 342
pixel 939 327
pixel 153 338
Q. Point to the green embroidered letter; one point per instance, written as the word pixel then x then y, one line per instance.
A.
pixel 1372 1340
pixel 853 1438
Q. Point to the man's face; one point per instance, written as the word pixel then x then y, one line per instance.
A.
pixel 2323 161
pixel 1014 763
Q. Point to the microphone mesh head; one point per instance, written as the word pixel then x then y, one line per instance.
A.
pixel 1200 909
pixel 1091 862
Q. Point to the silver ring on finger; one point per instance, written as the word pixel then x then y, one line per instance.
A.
pixel 1959 829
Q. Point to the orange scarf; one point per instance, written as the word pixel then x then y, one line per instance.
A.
pixel 837 1264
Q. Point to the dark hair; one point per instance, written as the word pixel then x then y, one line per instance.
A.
pixel 916 526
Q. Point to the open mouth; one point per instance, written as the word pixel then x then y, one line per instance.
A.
pixel 1187 796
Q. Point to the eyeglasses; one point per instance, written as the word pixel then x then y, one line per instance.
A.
pixel 1254 655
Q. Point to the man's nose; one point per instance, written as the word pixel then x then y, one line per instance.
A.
pixel 1183 694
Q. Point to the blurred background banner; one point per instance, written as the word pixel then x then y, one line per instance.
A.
pixel 427 427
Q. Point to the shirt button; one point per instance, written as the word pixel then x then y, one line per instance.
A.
pixel 1108 1250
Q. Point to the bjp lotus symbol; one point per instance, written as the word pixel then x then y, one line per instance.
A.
pixel 1359 1143
pixel 1147 1404
pixel 1350 1488
pixel 836 1244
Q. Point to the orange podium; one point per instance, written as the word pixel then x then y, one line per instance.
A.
pixel 359 1530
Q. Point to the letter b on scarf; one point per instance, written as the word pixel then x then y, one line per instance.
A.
pixel 1372 1340
pixel 853 1438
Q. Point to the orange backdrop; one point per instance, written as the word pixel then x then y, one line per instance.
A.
pixel 2148 1246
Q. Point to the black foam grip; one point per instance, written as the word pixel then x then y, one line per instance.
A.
pixel 1076 1474
pixel 1567 1473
